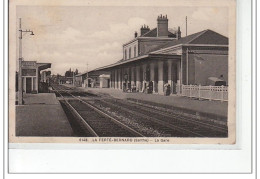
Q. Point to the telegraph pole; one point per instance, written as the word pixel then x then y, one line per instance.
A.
pixel 73 75
pixel 186 26
pixel 20 84
pixel 87 75
pixel 87 69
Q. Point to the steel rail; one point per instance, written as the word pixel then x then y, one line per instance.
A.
pixel 110 117
pixel 160 122
pixel 181 118
pixel 146 108
pixel 91 130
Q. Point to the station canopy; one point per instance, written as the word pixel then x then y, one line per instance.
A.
pixel 43 66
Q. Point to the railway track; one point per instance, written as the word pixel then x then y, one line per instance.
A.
pixel 134 113
pixel 97 123
pixel 165 121
pixel 192 127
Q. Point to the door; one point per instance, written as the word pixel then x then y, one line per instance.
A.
pixel 28 85
pixel 108 83
pixel 89 83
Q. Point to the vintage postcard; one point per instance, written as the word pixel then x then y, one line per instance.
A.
pixel 116 72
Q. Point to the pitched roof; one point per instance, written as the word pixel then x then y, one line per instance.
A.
pixel 203 37
pixel 120 61
pixel 153 33
pixel 210 37
pixel 117 62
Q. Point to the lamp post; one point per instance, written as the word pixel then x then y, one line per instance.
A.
pixel 20 84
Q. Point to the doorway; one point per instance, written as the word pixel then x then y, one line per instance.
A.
pixel 28 85
pixel 108 83
pixel 89 83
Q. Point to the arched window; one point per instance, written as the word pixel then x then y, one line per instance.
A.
pixel 125 54
pixel 135 51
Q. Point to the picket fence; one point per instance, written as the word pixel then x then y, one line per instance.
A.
pixel 204 92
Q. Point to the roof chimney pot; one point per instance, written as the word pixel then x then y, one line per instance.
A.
pixel 144 29
pixel 162 26
pixel 178 33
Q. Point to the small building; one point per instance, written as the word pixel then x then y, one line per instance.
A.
pixel 80 79
pixel 104 81
pixel 69 80
pixel 61 79
pixel 31 75
pixel 92 78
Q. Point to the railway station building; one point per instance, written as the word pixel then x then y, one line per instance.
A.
pixel 158 57
pixel 31 77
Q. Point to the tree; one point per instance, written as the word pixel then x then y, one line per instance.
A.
pixel 48 73
pixel 68 73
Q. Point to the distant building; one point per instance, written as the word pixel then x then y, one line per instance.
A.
pixel 61 79
pixel 92 79
pixel 79 79
pixel 45 76
pixel 69 80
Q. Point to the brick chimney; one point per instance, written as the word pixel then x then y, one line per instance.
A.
pixel 162 26
pixel 136 34
pixel 144 29
pixel 178 34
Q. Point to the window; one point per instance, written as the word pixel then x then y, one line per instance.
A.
pixel 135 51
pixel 125 54
pixel 129 52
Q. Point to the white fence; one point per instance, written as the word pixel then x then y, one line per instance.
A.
pixel 204 92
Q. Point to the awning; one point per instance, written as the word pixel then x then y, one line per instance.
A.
pixel 43 66
pixel 151 56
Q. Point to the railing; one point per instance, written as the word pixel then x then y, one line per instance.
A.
pixel 204 92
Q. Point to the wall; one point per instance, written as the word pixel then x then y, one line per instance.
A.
pixel 204 62
pixel 78 80
pixel 148 45
pixel 132 46
pixel 143 46
pixel 192 69
pixel 104 82
pixel 212 66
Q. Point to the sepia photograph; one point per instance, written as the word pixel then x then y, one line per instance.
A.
pixel 122 74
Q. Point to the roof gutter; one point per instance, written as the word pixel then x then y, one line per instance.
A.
pixel 121 63
pixel 189 45
pixel 151 38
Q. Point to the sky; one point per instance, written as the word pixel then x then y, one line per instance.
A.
pixel 85 38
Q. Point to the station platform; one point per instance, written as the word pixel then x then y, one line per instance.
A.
pixel 205 106
pixel 41 115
